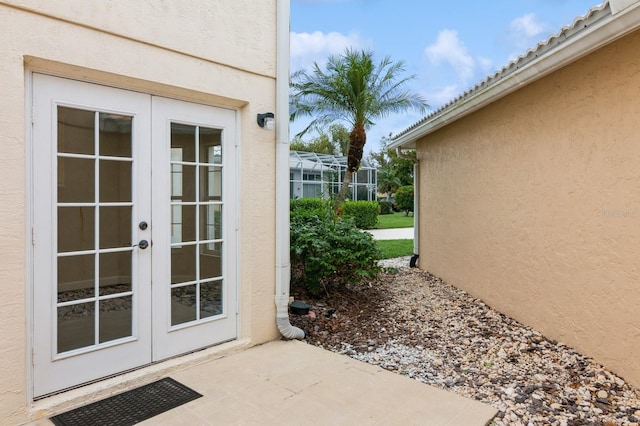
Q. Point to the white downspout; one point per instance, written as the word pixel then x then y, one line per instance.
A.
pixel 416 206
pixel 283 262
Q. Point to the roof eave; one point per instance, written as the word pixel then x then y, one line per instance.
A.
pixel 567 51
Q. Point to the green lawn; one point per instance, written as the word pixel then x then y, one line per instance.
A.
pixel 395 248
pixel 394 220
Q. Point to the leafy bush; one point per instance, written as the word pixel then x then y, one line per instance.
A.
pixel 329 252
pixel 364 213
pixel 404 199
pixel 308 207
pixel 386 207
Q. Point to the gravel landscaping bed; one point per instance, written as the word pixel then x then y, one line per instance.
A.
pixel 413 323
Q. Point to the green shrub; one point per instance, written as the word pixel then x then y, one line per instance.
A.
pixel 364 213
pixel 308 207
pixel 386 207
pixel 327 253
pixel 404 199
pixel 307 204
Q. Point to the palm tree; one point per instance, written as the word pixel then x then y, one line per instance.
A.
pixel 388 181
pixel 353 89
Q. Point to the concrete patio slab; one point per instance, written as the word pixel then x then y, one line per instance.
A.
pixel 290 383
pixel 293 383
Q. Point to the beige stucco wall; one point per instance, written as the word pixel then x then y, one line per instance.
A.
pixel 220 53
pixel 533 205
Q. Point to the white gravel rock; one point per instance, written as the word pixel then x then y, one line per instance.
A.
pixel 396 262
pixel 458 343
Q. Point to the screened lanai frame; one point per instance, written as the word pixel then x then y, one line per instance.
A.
pixel 313 175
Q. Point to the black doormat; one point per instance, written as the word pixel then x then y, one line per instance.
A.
pixel 131 407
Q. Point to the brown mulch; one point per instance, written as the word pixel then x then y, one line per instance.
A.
pixel 356 315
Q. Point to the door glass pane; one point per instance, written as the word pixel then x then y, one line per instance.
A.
pixel 183 183
pixel 76 277
pixel 188 225
pixel 183 304
pixel 76 132
pixel 210 145
pixel 115 319
pixel 176 224
pixel 76 177
pixel 93 228
pixel 115 273
pixel 196 256
pixel 210 260
pixel 76 228
pixel 183 264
pixel 115 181
pixel 211 222
pixel 76 326
pixel 210 183
pixel 115 227
pixel 176 181
pixel 115 135
pixel 183 139
pixel 211 299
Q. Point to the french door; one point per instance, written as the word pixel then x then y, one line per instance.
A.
pixel 133 237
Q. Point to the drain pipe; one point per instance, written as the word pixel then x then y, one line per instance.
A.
pixel 283 261
pixel 416 206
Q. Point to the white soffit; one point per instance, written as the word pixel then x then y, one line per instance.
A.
pixel 587 34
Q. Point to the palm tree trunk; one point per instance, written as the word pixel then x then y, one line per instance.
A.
pixel 357 139
pixel 346 184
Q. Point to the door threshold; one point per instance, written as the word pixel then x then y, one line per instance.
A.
pixel 52 404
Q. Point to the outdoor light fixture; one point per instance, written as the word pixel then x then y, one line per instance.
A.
pixel 266 120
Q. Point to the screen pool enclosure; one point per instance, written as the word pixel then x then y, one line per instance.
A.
pixel 313 175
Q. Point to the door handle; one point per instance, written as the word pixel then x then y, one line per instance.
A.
pixel 143 244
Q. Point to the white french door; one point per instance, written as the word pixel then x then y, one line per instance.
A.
pixel 193 193
pixel 133 244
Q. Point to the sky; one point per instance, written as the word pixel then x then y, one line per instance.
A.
pixel 448 45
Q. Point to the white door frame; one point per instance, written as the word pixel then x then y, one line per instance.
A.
pixel 146 351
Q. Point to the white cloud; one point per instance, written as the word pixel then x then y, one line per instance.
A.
pixel 486 64
pixel 525 32
pixel 443 95
pixel 527 25
pixel 307 48
pixel 449 49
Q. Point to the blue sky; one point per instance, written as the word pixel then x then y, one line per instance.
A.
pixel 449 45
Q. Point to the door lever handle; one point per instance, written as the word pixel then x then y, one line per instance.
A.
pixel 143 244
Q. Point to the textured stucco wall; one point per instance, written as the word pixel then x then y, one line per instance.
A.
pixel 533 205
pixel 220 53
pixel 237 33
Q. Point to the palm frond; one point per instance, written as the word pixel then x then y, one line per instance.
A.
pixel 352 88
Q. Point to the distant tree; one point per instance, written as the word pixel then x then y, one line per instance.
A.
pixel 298 144
pixel 333 141
pixel 393 171
pixel 388 182
pixel 322 145
pixel 352 88
pixel 340 138
pixel 381 157
pixel 404 199
pixel 402 167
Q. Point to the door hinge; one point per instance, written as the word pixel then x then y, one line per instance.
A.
pixel 33 237
pixel 33 114
pixel 33 357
